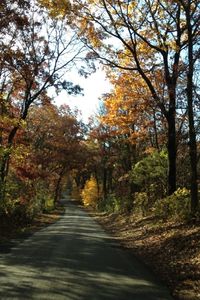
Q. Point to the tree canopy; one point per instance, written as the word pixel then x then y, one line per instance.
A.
pixel 144 141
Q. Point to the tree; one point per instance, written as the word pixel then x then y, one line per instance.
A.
pixel 131 111
pixel 150 175
pixel 90 194
pixel 56 145
pixel 35 54
pixel 150 38
pixel 192 11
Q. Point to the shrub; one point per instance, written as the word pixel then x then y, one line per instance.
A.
pixel 150 175
pixel 175 206
pixel 48 204
pixel 19 210
pixel 141 203
pixel 110 204
pixel 114 203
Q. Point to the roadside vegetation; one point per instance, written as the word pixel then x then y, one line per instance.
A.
pixel 136 163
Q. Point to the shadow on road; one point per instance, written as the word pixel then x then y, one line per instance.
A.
pixel 74 259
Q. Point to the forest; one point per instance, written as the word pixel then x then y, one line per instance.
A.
pixel 135 164
pixel 140 152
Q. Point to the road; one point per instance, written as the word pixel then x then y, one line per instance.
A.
pixel 75 259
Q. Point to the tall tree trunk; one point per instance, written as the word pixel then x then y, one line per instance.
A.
pixel 58 186
pixel 4 164
pixel 171 147
pixel 192 132
pixel 104 182
pixel 170 115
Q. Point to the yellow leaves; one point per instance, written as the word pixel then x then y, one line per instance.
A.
pixel 58 8
pixel 90 192
pixel 131 8
pixel 23 124
pixel 7 122
pixel 94 36
pixel 5 151
pixel 19 153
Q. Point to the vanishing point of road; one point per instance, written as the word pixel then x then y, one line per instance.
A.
pixel 74 259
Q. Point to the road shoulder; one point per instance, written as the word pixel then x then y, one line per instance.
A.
pixel 171 250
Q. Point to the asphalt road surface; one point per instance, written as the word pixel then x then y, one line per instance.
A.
pixel 75 259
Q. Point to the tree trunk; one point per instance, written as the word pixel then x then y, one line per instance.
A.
pixel 58 186
pixel 171 145
pixel 193 161
pixel 4 165
pixel 192 132
pixel 104 182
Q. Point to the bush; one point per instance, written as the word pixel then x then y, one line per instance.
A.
pixel 110 204
pixel 114 203
pixel 23 213
pixel 19 211
pixel 150 175
pixel 48 204
pixel 43 200
pixel 141 202
pixel 175 206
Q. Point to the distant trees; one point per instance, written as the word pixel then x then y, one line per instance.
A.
pixel 57 144
pixel 44 153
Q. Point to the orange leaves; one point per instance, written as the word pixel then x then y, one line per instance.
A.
pixel 127 108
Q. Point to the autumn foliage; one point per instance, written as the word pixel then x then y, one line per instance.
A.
pixel 143 144
pixel 139 155
pixel 90 193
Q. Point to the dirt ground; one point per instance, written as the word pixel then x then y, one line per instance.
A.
pixel 170 249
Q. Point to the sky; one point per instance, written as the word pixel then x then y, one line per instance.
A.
pixel 94 86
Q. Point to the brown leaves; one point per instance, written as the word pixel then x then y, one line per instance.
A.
pixel 171 249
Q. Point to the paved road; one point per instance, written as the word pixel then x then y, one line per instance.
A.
pixel 74 259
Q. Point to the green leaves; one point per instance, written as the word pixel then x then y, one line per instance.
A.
pixel 151 168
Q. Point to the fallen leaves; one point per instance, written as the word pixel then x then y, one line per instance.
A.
pixel 171 249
